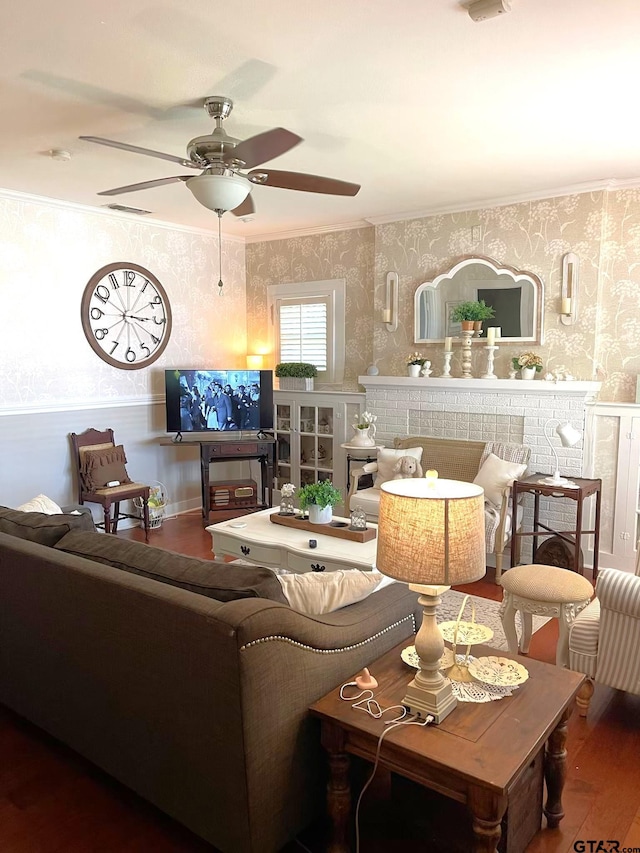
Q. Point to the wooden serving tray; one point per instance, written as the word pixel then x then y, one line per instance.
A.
pixel 339 529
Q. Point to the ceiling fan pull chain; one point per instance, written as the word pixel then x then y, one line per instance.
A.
pixel 220 282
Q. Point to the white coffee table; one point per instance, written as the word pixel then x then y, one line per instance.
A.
pixel 267 544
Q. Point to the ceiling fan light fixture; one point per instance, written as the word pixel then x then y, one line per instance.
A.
pixel 219 192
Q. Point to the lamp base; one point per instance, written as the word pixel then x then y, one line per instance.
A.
pixel 438 703
pixel 555 481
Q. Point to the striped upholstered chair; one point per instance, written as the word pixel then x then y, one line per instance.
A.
pixel 605 638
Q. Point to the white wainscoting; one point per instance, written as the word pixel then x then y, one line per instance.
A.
pixel 35 453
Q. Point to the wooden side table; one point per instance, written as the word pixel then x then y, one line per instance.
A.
pixel 481 755
pixel 583 489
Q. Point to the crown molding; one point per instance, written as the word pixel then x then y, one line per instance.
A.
pixel 605 185
pixel 307 232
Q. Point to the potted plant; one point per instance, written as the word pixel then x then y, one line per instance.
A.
pixel 365 430
pixel 529 363
pixel 319 498
pixel 414 363
pixel 296 375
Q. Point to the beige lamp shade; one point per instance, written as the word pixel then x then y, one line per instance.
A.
pixel 431 531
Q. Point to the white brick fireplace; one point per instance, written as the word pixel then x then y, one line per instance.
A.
pixel 490 410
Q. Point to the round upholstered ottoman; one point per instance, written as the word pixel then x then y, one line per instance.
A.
pixel 545 591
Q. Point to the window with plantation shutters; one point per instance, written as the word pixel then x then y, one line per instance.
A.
pixel 308 325
pixel 303 330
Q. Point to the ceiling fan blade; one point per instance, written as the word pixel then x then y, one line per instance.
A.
pixel 145 185
pixel 149 152
pixel 246 208
pixel 301 181
pixel 264 146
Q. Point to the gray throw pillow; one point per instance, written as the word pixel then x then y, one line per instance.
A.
pixel 214 579
pixel 40 527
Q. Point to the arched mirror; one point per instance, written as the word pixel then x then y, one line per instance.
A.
pixel 517 298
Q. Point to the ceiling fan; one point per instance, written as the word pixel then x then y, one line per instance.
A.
pixel 224 184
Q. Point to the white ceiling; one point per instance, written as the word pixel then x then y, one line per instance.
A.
pixel 425 108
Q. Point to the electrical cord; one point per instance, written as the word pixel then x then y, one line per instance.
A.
pixel 365 701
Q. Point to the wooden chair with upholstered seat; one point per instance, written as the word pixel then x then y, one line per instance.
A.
pixel 100 461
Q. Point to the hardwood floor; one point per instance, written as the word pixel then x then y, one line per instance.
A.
pixel 53 801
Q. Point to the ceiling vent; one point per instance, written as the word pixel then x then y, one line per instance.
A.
pixel 124 209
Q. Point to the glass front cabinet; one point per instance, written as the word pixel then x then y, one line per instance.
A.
pixel 309 428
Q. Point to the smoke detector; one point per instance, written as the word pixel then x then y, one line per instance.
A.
pixel 480 10
pixel 59 154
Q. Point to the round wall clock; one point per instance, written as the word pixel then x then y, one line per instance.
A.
pixel 126 315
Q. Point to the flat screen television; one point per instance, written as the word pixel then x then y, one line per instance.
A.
pixel 219 400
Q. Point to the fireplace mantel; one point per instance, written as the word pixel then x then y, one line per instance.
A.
pixel 511 410
pixel 580 388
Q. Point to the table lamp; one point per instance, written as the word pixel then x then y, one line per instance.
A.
pixel 431 536
pixel 569 437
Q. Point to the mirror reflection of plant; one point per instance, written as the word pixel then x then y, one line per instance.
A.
pixel 472 311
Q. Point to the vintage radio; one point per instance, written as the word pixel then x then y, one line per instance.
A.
pixel 234 494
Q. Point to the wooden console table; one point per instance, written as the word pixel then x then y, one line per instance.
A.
pixel 229 450
pixel 583 489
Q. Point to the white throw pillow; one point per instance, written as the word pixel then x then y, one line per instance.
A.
pixel 495 475
pixel 315 593
pixel 387 458
pixel 41 503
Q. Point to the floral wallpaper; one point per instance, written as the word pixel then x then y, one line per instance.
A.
pixel 49 252
pixel 602 228
pixel 530 236
pixel 340 254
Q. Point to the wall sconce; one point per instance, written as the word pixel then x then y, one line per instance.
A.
pixel 569 289
pixel 255 362
pixel 390 312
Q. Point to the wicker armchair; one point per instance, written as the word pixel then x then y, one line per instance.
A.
pixel 604 639
pixel 453 459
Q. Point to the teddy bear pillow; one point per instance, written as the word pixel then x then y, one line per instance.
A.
pixel 388 459
pixel 407 467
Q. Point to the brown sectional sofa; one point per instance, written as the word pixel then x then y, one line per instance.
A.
pixel 197 704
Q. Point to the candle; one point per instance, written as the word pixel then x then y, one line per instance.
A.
pixel 491 336
pixel 448 342
pixel 386 315
pixel 566 305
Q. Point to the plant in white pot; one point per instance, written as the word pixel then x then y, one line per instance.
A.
pixel 319 499
pixel 529 363
pixel 296 375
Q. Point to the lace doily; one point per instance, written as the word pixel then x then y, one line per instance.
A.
pixel 476 691
pixel 464 691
